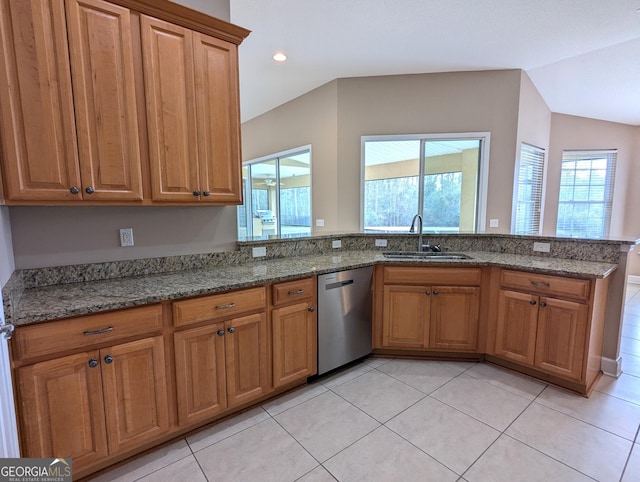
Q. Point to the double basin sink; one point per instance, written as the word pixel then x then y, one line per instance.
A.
pixel 427 255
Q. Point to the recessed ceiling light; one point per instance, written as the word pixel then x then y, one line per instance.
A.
pixel 279 57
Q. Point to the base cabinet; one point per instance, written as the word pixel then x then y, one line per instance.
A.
pixel 93 404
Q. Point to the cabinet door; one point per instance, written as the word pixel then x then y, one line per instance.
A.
pixel 167 52
pixel 454 318
pixel 101 53
pixel 135 392
pixel 294 343
pixel 516 326
pixel 246 354
pixel 405 320
pixel 562 331
pixel 39 148
pixel 200 373
pixel 62 410
pixel 216 81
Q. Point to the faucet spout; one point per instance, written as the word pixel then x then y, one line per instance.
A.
pixel 413 229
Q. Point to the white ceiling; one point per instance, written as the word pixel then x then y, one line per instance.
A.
pixel 582 55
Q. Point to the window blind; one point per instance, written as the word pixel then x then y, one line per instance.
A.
pixel 528 190
pixel 586 193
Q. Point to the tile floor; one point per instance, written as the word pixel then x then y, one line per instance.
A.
pixel 403 420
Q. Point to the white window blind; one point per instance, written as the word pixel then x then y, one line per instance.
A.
pixel 528 192
pixel 586 193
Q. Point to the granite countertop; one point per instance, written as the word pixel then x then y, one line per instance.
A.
pixel 75 299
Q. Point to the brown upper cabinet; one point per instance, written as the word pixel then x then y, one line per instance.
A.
pixel 74 82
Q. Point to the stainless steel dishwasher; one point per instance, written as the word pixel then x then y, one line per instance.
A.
pixel 344 317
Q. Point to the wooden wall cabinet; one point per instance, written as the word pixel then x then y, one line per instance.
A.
pixel 552 324
pixel 96 402
pixel 418 314
pixel 294 331
pixel 223 361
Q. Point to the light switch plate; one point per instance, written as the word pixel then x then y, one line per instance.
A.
pixel 319 222
pixel 381 243
pixel 259 251
pixel 494 223
pixel 336 243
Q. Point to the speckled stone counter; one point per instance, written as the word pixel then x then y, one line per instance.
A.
pixel 58 301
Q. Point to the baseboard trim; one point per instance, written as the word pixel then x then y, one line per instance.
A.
pixel 633 279
pixel 611 367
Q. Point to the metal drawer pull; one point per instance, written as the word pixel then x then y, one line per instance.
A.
pixel 296 292
pixel 540 283
pixel 225 307
pixel 97 332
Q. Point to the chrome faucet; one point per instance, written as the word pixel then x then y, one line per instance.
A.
pixel 412 229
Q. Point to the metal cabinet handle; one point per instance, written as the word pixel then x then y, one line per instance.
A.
pixel 206 193
pixel 311 309
pixel 231 329
pixel 427 292
pixel 196 193
pixel 435 292
pixel 108 359
pixel 74 190
pixel 543 304
pixel 540 284
pixel 93 363
pixel 532 302
pixel 225 307
pixel 89 190
pixel 98 332
pixel 296 292
pixel 220 332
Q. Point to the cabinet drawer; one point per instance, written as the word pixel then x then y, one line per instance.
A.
pixel 300 289
pixel 431 275
pixel 86 331
pixel 578 289
pixel 219 306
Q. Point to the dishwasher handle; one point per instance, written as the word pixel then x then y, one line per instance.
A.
pixel 339 284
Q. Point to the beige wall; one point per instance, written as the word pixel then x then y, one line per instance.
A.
pixel 54 236
pixel 6 250
pixel 633 268
pixel 309 119
pixel 571 132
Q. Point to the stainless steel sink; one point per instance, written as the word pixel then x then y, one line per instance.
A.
pixel 424 255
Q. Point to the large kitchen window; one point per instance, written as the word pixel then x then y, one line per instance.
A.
pixel 277 195
pixel 586 193
pixel 438 177
pixel 527 193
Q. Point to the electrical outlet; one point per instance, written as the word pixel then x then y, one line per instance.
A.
pixel 541 247
pixel 259 251
pixel 126 237
pixel 381 243
pixel 494 223
pixel 319 222
pixel 336 243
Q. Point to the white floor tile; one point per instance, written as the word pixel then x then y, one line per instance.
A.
pixel 264 452
pixel 511 381
pixel 451 437
pixel 626 387
pixel 508 460
pixel 326 424
pixel 379 395
pixel 343 376
pixel 630 319
pixel 384 456
pixel 590 450
pixel 423 375
pixel 604 411
pixel 291 399
pixel 319 474
pixel 629 345
pixel 631 331
pixel 375 362
pixel 482 401
pixel 631 364
pixel 226 428
pixel 145 465
pixel 632 471
pixel 186 469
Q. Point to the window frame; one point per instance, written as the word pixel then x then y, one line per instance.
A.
pixel 516 189
pixel 483 170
